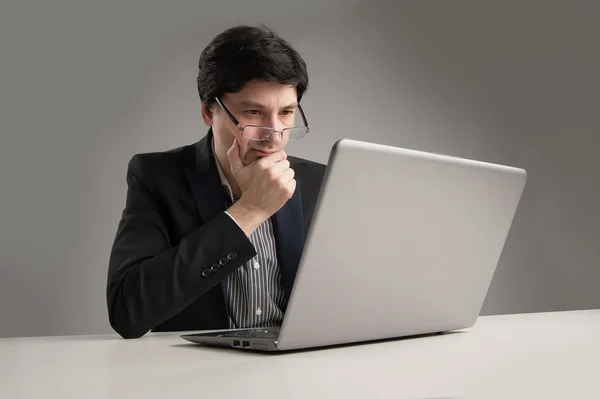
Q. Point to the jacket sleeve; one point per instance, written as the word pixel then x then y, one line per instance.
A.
pixel 149 280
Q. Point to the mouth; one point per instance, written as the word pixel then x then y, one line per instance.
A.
pixel 262 153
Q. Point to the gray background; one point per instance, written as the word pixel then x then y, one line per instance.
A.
pixel 85 86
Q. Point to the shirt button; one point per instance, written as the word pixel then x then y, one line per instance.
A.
pixel 258 311
pixel 256 265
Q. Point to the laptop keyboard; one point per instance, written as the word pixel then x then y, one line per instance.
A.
pixel 254 333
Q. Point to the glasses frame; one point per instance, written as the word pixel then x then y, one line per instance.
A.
pixel 239 126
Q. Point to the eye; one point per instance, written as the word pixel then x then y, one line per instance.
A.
pixel 253 112
pixel 287 113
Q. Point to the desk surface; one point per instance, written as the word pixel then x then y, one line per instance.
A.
pixel 540 355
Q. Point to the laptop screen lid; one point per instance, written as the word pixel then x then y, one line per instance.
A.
pixel 402 243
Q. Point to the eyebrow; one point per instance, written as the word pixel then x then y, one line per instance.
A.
pixel 255 104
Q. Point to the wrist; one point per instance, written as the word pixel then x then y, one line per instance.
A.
pixel 247 217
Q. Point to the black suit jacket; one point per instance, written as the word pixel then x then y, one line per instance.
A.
pixel 174 244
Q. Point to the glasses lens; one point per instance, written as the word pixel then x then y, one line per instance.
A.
pixel 264 133
pixel 295 133
pixel 257 132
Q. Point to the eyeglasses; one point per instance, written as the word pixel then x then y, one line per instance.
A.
pixel 263 133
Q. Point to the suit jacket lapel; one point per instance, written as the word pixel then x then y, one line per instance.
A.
pixel 289 236
pixel 204 181
pixel 208 194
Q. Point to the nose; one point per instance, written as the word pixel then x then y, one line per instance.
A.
pixel 276 139
pixel 274 123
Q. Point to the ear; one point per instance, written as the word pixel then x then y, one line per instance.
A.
pixel 207 114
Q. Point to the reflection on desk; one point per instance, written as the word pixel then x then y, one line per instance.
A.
pixel 538 355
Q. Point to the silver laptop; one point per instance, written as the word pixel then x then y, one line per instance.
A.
pixel 402 243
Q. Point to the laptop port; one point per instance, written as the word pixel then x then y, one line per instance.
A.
pixel 236 343
pixel 246 344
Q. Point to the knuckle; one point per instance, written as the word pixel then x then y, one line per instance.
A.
pixel 291 188
pixel 261 165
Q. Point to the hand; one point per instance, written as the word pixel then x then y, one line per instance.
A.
pixel 266 184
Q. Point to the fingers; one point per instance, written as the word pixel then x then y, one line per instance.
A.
pixel 234 157
pixel 273 158
pixel 291 186
pixel 287 176
pixel 280 167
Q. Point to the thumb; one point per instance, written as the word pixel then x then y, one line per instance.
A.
pixel 234 157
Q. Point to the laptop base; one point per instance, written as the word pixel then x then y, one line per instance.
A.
pixel 257 339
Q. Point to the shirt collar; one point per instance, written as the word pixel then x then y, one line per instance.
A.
pixel 224 183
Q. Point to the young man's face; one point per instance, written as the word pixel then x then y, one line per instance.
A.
pixel 269 104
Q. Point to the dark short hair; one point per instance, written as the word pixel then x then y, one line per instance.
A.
pixel 244 53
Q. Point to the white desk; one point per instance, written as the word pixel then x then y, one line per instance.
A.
pixel 543 355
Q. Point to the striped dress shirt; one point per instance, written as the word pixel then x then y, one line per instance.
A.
pixel 254 293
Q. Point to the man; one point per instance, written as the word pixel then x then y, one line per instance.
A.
pixel 212 233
